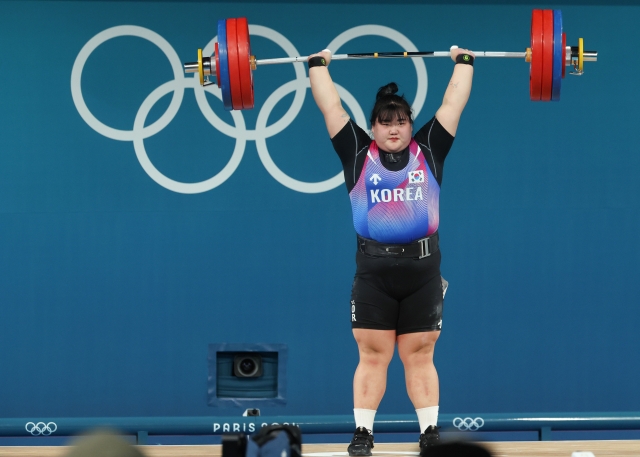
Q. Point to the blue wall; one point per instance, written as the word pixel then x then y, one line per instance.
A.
pixel 113 284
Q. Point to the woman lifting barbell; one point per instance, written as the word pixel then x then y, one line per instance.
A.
pixel 394 185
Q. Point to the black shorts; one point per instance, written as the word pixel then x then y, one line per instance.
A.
pixel 401 294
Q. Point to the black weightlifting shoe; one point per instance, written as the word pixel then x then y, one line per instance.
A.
pixel 361 443
pixel 430 437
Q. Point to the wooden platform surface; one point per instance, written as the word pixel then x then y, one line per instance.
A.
pixel 626 448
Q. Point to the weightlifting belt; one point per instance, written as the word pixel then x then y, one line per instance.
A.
pixel 419 249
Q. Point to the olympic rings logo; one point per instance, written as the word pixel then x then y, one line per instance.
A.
pixel 468 423
pixel 239 131
pixel 41 428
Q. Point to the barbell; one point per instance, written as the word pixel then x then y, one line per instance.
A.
pixel 232 64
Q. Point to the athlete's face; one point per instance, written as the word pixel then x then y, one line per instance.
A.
pixel 394 135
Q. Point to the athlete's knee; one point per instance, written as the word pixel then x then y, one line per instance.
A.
pixel 417 358
pixel 375 341
pixel 376 351
pixel 375 355
pixel 417 347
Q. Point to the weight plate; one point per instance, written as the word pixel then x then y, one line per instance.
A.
pixel 224 65
pixel 558 55
pixel 232 58
pixel 244 62
pixel 580 55
pixel 535 69
pixel 564 54
pixel 547 55
pixel 200 68
pixel 217 54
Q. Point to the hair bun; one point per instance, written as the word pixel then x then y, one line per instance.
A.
pixel 389 89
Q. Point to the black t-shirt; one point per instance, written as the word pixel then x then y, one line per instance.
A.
pixel 352 143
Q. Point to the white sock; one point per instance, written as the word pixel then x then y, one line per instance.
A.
pixel 364 418
pixel 427 416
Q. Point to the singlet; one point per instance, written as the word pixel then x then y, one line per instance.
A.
pixel 394 202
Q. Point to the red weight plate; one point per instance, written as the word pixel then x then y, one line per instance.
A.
pixel 535 69
pixel 564 53
pixel 244 62
pixel 217 65
pixel 547 55
pixel 234 71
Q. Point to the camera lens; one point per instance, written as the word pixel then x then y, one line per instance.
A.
pixel 247 366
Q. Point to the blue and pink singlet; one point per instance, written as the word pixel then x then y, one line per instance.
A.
pixel 395 206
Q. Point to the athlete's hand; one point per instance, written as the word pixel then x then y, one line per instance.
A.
pixel 325 54
pixel 456 51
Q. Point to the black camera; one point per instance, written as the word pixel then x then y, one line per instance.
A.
pixel 270 441
pixel 247 365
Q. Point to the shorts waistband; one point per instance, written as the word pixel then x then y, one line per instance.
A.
pixel 419 249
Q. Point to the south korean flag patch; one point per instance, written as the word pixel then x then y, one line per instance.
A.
pixel 416 176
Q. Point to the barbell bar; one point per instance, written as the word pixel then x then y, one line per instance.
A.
pixel 232 64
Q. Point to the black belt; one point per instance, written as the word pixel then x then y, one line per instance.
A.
pixel 418 249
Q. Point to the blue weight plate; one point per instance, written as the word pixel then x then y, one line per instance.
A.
pixel 225 84
pixel 558 55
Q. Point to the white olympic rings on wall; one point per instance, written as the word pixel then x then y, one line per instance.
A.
pixel 41 428
pixel 468 423
pixel 238 131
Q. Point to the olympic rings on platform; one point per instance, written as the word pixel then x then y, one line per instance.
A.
pixel 468 423
pixel 238 131
pixel 41 428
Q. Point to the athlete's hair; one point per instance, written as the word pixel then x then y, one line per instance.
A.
pixel 389 106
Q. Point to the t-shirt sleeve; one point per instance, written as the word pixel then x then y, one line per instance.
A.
pixel 351 144
pixel 435 143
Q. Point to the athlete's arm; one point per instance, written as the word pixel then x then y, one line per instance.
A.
pixel 457 93
pixel 326 95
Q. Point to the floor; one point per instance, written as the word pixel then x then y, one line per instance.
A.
pixel 619 448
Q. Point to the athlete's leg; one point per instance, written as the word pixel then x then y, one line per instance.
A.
pixel 416 352
pixel 376 349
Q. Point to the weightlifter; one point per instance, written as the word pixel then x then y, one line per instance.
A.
pixel 394 182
